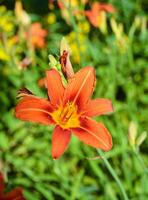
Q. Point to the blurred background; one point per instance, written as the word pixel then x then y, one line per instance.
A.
pixel 112 37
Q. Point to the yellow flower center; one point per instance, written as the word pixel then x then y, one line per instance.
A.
pixel 66 117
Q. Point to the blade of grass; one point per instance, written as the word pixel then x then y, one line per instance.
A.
pixel 114 175
pixel 76 185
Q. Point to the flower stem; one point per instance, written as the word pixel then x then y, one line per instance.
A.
pixel 136 151
pixel 114 175
pixel 74 26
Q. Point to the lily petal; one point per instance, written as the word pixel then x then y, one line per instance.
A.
pixel 16 194
pixel 107 7
pixel 98 107
pixel 55 86
pixel 93 134
pixel 34 109
pixel 80 86
pixel 60 141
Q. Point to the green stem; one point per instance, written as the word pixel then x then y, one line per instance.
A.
pixel 75 28
pixel 141 161
pixel 12 61
pixel 114 175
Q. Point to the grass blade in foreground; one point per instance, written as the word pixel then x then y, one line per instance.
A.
pixel 114 175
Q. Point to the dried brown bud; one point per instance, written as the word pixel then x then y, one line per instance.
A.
pixel 24 92
pixel 66 65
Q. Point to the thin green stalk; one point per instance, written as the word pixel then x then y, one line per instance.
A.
pixel 136 151
pixel 12 62
pixel 76 185
pixel 114 175
pixel 75 28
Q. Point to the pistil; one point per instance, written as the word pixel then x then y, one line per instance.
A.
pixel 67 116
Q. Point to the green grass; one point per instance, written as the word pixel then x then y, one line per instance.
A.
pixel 122 76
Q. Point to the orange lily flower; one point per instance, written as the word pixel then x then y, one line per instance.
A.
pixel 37 35
pixel 94 15
pixel 15 194
pixel 70 109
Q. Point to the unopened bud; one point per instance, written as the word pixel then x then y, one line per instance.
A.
pixel 52 61
pixel 141 138
pixel 132 133
pixel 21 14
pixel 137 21
pixel 66 65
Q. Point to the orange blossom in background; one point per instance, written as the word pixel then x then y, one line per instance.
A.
pixel 37 35
pixel 94 15
pixel 15 194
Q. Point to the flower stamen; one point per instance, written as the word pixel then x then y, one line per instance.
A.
pixel 67 116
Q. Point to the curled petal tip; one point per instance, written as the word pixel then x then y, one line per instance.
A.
pixel 24 92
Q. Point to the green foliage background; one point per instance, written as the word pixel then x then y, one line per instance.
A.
pixel 122 76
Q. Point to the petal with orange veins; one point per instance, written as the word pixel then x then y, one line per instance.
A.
pixel 97 107
pixel 15 194
pixel 34 109
pixel 94 134
pixel 80 87
pixel 55 86
pixel 60 141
